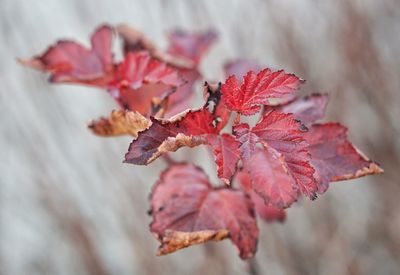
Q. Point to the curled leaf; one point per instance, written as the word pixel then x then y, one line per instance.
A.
pixel 175 240
pixel 120 122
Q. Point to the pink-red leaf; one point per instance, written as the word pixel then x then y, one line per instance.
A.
pixel 226 151
pixel 139 68
pixel 307 109
pixel 267 213
pixel 257 89
pixel 240 67
pixel 68 61
pixel 270 178
pixel 191 46
pixel 334 157
pixel 184 202
pixel 286 135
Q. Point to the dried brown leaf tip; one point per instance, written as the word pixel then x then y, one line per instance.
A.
pixel 120 122
pixel 175 240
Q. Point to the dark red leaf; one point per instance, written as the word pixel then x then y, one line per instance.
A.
pixel 186 210
pixel 307 109
pixel 334 157
pixel 277 142
pixel 270 178
pixel 191 45
pixel 187 129
pixel 268 213
pixel 226 151
pixel 286 135
pixel 190 128
pixel 68 61
pixel 257 89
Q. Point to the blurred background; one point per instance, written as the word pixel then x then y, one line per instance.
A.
pixel 69 206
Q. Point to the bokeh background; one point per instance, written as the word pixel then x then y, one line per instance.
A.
pixel 69 206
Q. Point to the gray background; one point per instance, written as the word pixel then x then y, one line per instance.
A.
pixel 69 206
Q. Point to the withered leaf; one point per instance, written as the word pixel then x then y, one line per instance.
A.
pixel 120 122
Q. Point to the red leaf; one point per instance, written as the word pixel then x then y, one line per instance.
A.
pixel 141 100
pixel 270 178
pixel 226 151
pixel 284 149
pixel 68 61
pixel 184 202
pixel 257 89
pixel 182 98
pixel 191 45
pixel 240 67
pixel 139 68
pixel 334 157
pixel 307 109
pixel 268 213
pixel 286 135
pixel 163 136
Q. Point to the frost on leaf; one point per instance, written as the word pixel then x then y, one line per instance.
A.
pixel 187 210
pixel 120 122
pixel 334 157
pixel 267 213
pixel 68 61
pixel 257 89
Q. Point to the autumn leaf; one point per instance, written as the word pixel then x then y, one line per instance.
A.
pixel 71 62
pixel 139 68
pixel 257 89
pixel 134 40
pixel 120 122
pixel 334 157
pixel 191 46
pixel 190 128
pixel 240 67
pixel 187 210
pixel 307 109
pixel 274 153
pixel 267 213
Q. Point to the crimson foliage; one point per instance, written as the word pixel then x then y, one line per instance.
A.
pixel 284 156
